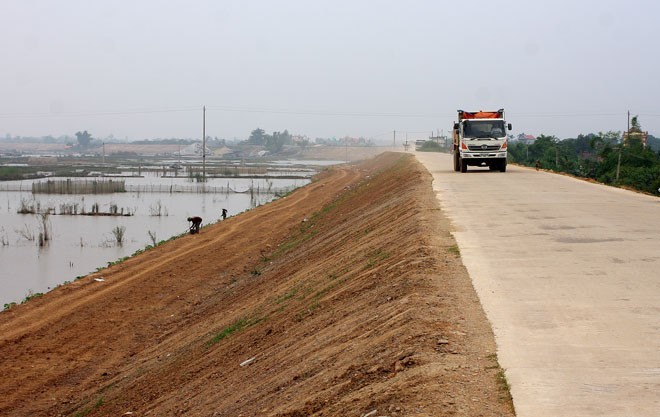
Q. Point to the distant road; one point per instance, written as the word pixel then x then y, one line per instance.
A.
pixel 568 273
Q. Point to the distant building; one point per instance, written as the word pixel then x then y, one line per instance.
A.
pixel 635 135
pixel 528 139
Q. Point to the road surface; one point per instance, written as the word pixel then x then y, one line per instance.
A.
pixel 568 273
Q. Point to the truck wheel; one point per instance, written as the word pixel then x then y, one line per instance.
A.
pixel 503 166
pixel 462 164
pixel 456 163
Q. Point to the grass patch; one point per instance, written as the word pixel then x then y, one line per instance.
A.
pixel 316 300
pixel 293 243
pixel 375 258
pixel 502 383
pixel 86 411
pixel 32 295
pixel 308 311
pixel 118 261
pixel 236 326
pixel 292 293
pixel 454 249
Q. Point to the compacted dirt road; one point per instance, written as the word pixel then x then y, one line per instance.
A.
pixel 344 298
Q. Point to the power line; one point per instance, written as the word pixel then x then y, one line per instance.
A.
pixel 100 113
pixel 315 113
pixel 523 115
pixel 295 112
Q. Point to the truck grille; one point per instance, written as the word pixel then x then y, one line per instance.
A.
pixel 484 147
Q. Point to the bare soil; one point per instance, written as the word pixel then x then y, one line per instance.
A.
pixel 345 298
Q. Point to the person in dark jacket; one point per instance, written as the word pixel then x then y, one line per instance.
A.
pixel 196 223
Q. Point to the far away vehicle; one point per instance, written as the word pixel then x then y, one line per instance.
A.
pixel 480 140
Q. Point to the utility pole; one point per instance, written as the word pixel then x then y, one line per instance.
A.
pixel 204 143
pixel 394 140
pixel 618 163
pixel 103 153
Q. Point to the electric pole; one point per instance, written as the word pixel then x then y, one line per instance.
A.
pixel 394 140
pixel 618 163
pixel 204 143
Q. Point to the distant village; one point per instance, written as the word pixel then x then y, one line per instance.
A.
pixel 84 144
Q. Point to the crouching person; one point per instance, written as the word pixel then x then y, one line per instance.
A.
pixel 196 223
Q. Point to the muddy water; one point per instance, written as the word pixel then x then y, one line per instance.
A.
pixel 81 244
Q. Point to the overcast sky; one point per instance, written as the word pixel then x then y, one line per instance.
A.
pixel 144 68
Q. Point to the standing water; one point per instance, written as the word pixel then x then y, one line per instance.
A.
pixel 154 210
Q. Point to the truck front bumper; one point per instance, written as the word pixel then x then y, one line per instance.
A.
pixel 483 155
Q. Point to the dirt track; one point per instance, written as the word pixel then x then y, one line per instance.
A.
pixel 344 297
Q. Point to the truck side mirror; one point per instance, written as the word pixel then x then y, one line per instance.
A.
pixel 509 126
pixel 455 126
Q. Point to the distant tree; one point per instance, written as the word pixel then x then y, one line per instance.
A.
pixel 653 143
pixel 582 144
pixel 275 143
pixel 603 142
pixel 544 149
pixel 257 137
pixel 84 138
pixel 634 125
pixel 303 144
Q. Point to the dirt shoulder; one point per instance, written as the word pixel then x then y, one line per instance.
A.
pixel 345 297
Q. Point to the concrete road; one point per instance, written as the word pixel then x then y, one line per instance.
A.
pixel 568 273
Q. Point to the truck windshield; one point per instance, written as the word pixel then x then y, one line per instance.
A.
pixel 483 128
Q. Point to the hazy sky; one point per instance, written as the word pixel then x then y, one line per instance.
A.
pixel 144 68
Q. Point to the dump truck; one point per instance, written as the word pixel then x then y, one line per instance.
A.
pixel 480 140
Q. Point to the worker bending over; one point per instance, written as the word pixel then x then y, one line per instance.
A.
pixel 196 223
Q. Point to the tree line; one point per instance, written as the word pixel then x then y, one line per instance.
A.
pixel 605 157
pixel 273 143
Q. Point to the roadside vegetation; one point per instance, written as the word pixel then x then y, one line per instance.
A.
pixel 604 157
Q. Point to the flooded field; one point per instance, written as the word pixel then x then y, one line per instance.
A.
pixel 154 209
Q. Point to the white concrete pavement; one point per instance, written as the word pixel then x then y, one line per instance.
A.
pixel 568 273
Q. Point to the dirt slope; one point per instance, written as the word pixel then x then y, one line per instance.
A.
pixel 345 297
